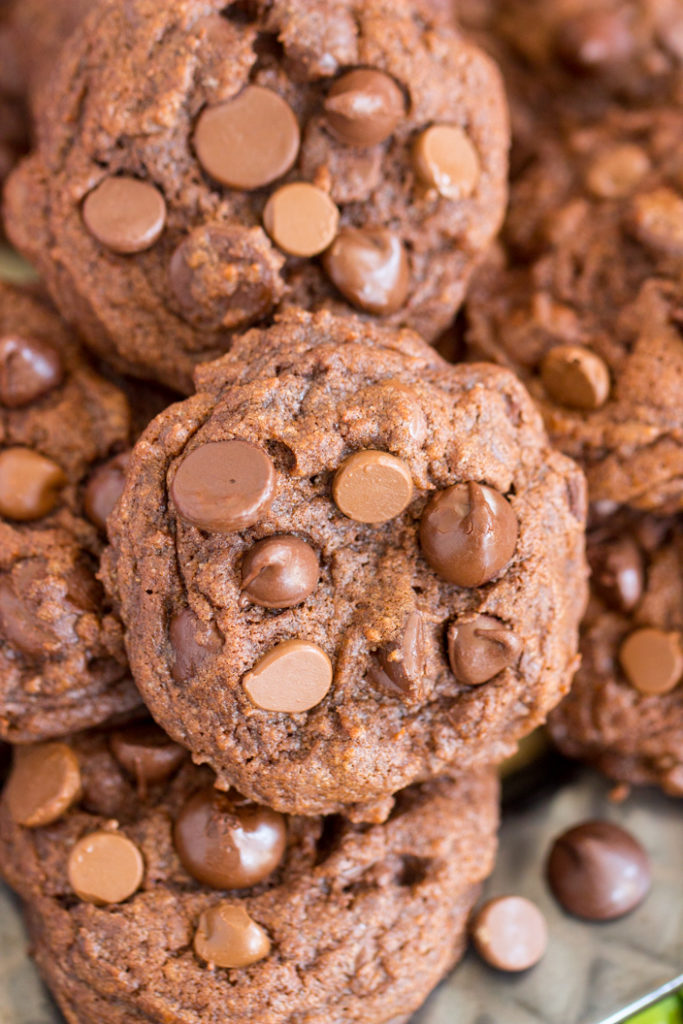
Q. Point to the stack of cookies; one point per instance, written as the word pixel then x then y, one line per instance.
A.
pixel 280 587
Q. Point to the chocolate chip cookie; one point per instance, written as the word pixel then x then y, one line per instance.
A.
pixel 345 565
pixel 62 434
pixel 625 710
pixel 587 302
pixel 152 899
pixel 200 166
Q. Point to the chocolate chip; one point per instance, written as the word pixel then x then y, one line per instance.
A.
pixel 294 676
pixel 653 660
pixel 510 933
pixel 657 221
pixel 193 643
pixel 227 937
pixel 445 159
pixel 598 871
pixel 18 621
pixel 372 487
pixel 280 572
pixel 618 574
pixel 248 142
pixel 224 486
pixel 468 534
pixel 594 41
pixel 104 488
pixel 146 753
pixel 363 107
pixel 29 369
pixel 481 648
pixel 228 845
pixel 399 668
pixel 618 171
pixel 29 484
pixel 44 783
pixel 301 219
pixel 370 268
pixel 225 277
pixel 575 377
pixel 105 867
pixel 125 215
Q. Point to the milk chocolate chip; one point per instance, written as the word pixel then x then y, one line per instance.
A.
pixel 594 41
pixel 598 871
pixel 575 377
pixel 301 219
pixel 653 660
pixel 29 484
pixel 510 933
pixel 399 668
pixel 105 867
pixel 125 215
pixel 445 159
pixel 370 268
pixel 657 221
pixel 228 844
pixel 29 368
pixel 193 642
pixel 44 783
pixel 227 937
pixel 468 534
pixel 618 574
pixel 481 648
pixel 248 142
pixel 280 572
pixel 224 486
pixel 146 753
pixel 363 107
pixel 618 171
pixel 292 677
pixel 372 487
pixel 104 488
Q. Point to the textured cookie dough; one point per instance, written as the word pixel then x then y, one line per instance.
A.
pixel 62 662
pixel 350 657
pixel 587 304
pixel 161 232
pixel 354 924
pixel 625 710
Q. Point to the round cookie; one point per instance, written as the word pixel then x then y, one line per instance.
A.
pixel 346 923
pixel 625 710
pixel 586 305
pixel 62 427
pixel 166 218
pixel 439 547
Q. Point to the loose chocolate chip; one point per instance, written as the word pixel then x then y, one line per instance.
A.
pixel 445 159
pixel 280 572
pixel 598 871
pixel 105 867
pixel 294 676
pixel 575 377
pixel 29 484
pixel 225 277
pixel 399 668
pixel 146 753
pixel 228 845
pixel 363 107
pixel 618 171
pixel 227 937
pixel 618 573
pixel 657 221
pixel 653 660
pixel 29 368
pixel 44 783
pixel 125 215
pixel 301 219
pixel 372 487
pixel 510 933
pixel 468 534
pixel 193 643
pixel 481 648
pixel 370 268
pixel 593 41
pixel 104 488
pixel 224 486
pixel 248 142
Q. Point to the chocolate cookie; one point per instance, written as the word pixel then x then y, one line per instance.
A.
pixel 62 434
pixel 200 166
pixel 587 304
pixel 625 710
pixel 345 565
pixel 171 903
